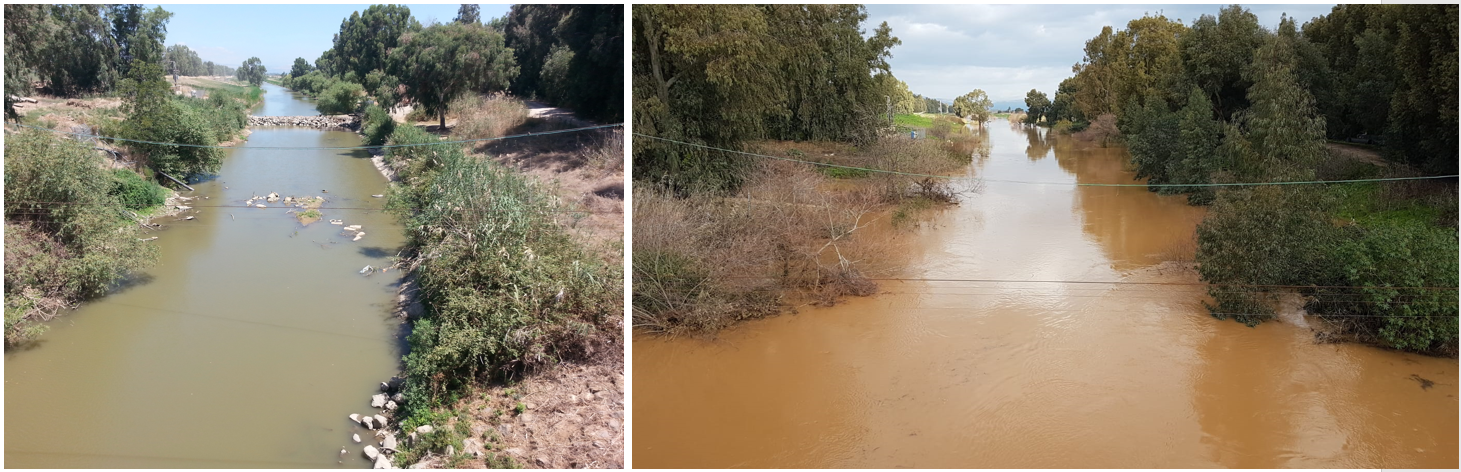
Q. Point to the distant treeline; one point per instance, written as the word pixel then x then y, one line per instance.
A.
pixel 724 74
pixel 1382 74
pixel 568 55
pixel 74 50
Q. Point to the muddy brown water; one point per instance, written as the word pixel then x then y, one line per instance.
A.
pixel 246 346
pixel 985 374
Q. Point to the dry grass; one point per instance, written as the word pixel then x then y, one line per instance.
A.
pixel 703 263
pixel 479 116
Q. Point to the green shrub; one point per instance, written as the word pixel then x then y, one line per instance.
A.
pixel 134 192
pixel 340 98
pixel 1398 267
pixel 67 237
pixel 377 125
pixel 491 260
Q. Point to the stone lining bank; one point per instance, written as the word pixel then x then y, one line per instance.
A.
pixel 327 122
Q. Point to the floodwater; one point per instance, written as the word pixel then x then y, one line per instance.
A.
pixel 246 346
pixel 964 371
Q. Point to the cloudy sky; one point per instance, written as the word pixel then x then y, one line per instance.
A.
pixel 949 50
pixel 229 34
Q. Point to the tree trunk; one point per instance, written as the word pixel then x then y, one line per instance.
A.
pixel 442 115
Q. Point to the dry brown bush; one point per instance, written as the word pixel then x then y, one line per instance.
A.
pixel 704 262
pixel 479 116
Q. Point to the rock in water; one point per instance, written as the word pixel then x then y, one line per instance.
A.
pixel 380 421
pixel 355 417
pixel 377 400
pixel 356 437
pixel 389 442
pixel 368 422
pixel 382 462
pixel 390 406
pixel 371 452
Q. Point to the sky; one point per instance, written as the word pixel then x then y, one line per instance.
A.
pixel 276 34
pixel 1006 50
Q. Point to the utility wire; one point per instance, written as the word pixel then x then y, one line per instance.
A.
pixel 344 148
pixel 257 208
pixel 1077 184
pixel 1157 284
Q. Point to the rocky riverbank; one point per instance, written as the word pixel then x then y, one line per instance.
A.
pixel 326 122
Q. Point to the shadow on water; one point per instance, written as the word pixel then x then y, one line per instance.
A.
pixel 377 253
pixel 130 282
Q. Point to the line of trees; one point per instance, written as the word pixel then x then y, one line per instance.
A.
pixel 80 49
pixel 1385 72
pixel 569 55
pixel 1226 100
pixel 723 74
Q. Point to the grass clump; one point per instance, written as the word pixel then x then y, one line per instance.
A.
pixel 506 287
pixel 59 253
pixel 479 116
pixel 913 120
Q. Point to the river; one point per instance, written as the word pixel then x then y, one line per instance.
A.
pixel 246 346
pixel 977 373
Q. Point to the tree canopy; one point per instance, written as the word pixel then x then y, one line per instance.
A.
pixel 973 105
pixel 252 71
pixel 442 62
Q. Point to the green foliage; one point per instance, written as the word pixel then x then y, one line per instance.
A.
pixel 66 235
pixel 133 192
pixel 252 71
pixel 469 13
pixel 1130 64
pixel 1038 105
pixel 377 125
pixel 442 62
pixel 1392 71
pixel 722 74
pixel 491 261
pixel 340 98
pixel 583 43
pixel 1392 263
pixel 153 114
pixel 1274 235
pixel 178 58
pixel 301 67
pixel 365 39
pixel 974 105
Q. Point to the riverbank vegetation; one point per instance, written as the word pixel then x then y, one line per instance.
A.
pixel 507 289
pixel 721 236
pixel 68 231
pixel 1227 101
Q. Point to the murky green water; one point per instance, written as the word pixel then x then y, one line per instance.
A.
pixel 246 346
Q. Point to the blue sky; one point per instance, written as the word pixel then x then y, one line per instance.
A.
pixel 229 34
pixel 1006 50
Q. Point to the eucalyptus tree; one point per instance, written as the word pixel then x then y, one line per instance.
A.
pixel 442 62
pixel 252 71
pixel 366 39
pixel 974 105
pixel 301 67
pixel 1037 105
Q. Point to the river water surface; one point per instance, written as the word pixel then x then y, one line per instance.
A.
pixel 246 346
pixel 964 371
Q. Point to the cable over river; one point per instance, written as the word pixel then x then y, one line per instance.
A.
pixel 246 346
pixel 934 374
